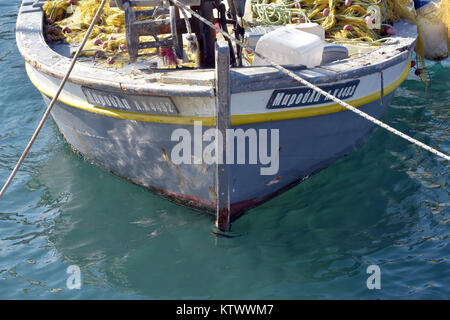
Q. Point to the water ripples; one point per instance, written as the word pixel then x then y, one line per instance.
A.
pixel 385 204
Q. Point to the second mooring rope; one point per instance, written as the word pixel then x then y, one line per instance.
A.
pixel 311 86
pixel 52 103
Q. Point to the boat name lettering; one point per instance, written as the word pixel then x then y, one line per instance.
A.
pixel 302 97
pixel 133 103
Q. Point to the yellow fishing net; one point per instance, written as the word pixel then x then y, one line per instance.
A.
pixel 405 9
pixel 433 22
pixel 342 20
pixel 445 11
pixel 354 21
pixel 345 20
pixel 107 42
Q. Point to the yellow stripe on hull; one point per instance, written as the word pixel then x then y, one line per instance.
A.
pixel 211 121
pixel 317 111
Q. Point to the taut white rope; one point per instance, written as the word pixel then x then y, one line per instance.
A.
pixel 313 87
pixel 52 103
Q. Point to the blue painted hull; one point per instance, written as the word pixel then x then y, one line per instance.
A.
pixel 139 152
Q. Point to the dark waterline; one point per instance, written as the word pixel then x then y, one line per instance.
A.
pixel 385 204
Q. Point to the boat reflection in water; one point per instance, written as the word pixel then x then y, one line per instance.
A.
pixel 153 248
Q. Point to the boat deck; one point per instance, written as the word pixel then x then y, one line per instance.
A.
pixel 192 82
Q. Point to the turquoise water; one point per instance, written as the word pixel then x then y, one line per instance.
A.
pixel 385 204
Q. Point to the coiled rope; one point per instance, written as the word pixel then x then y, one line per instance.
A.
pixel 311 86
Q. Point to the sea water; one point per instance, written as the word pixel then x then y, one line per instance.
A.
pixel 385 205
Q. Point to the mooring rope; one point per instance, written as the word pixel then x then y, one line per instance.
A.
pixel 311 86
pixel 52 103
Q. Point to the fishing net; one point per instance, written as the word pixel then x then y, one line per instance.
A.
pixel 363 21
pixel 345 21
pixel 353 21
pixel 356 21
pixel 433 22
pixel 107 42
pixel 445 9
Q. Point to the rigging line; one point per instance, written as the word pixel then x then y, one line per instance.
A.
pixel 313 87
pixel 52 103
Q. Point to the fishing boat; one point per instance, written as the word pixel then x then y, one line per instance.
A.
pixel 124 119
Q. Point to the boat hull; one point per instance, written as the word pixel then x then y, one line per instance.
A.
pixel 134 140
pixel 141 153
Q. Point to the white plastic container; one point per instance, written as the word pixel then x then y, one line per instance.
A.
pixel 290 46
pixel 311 27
